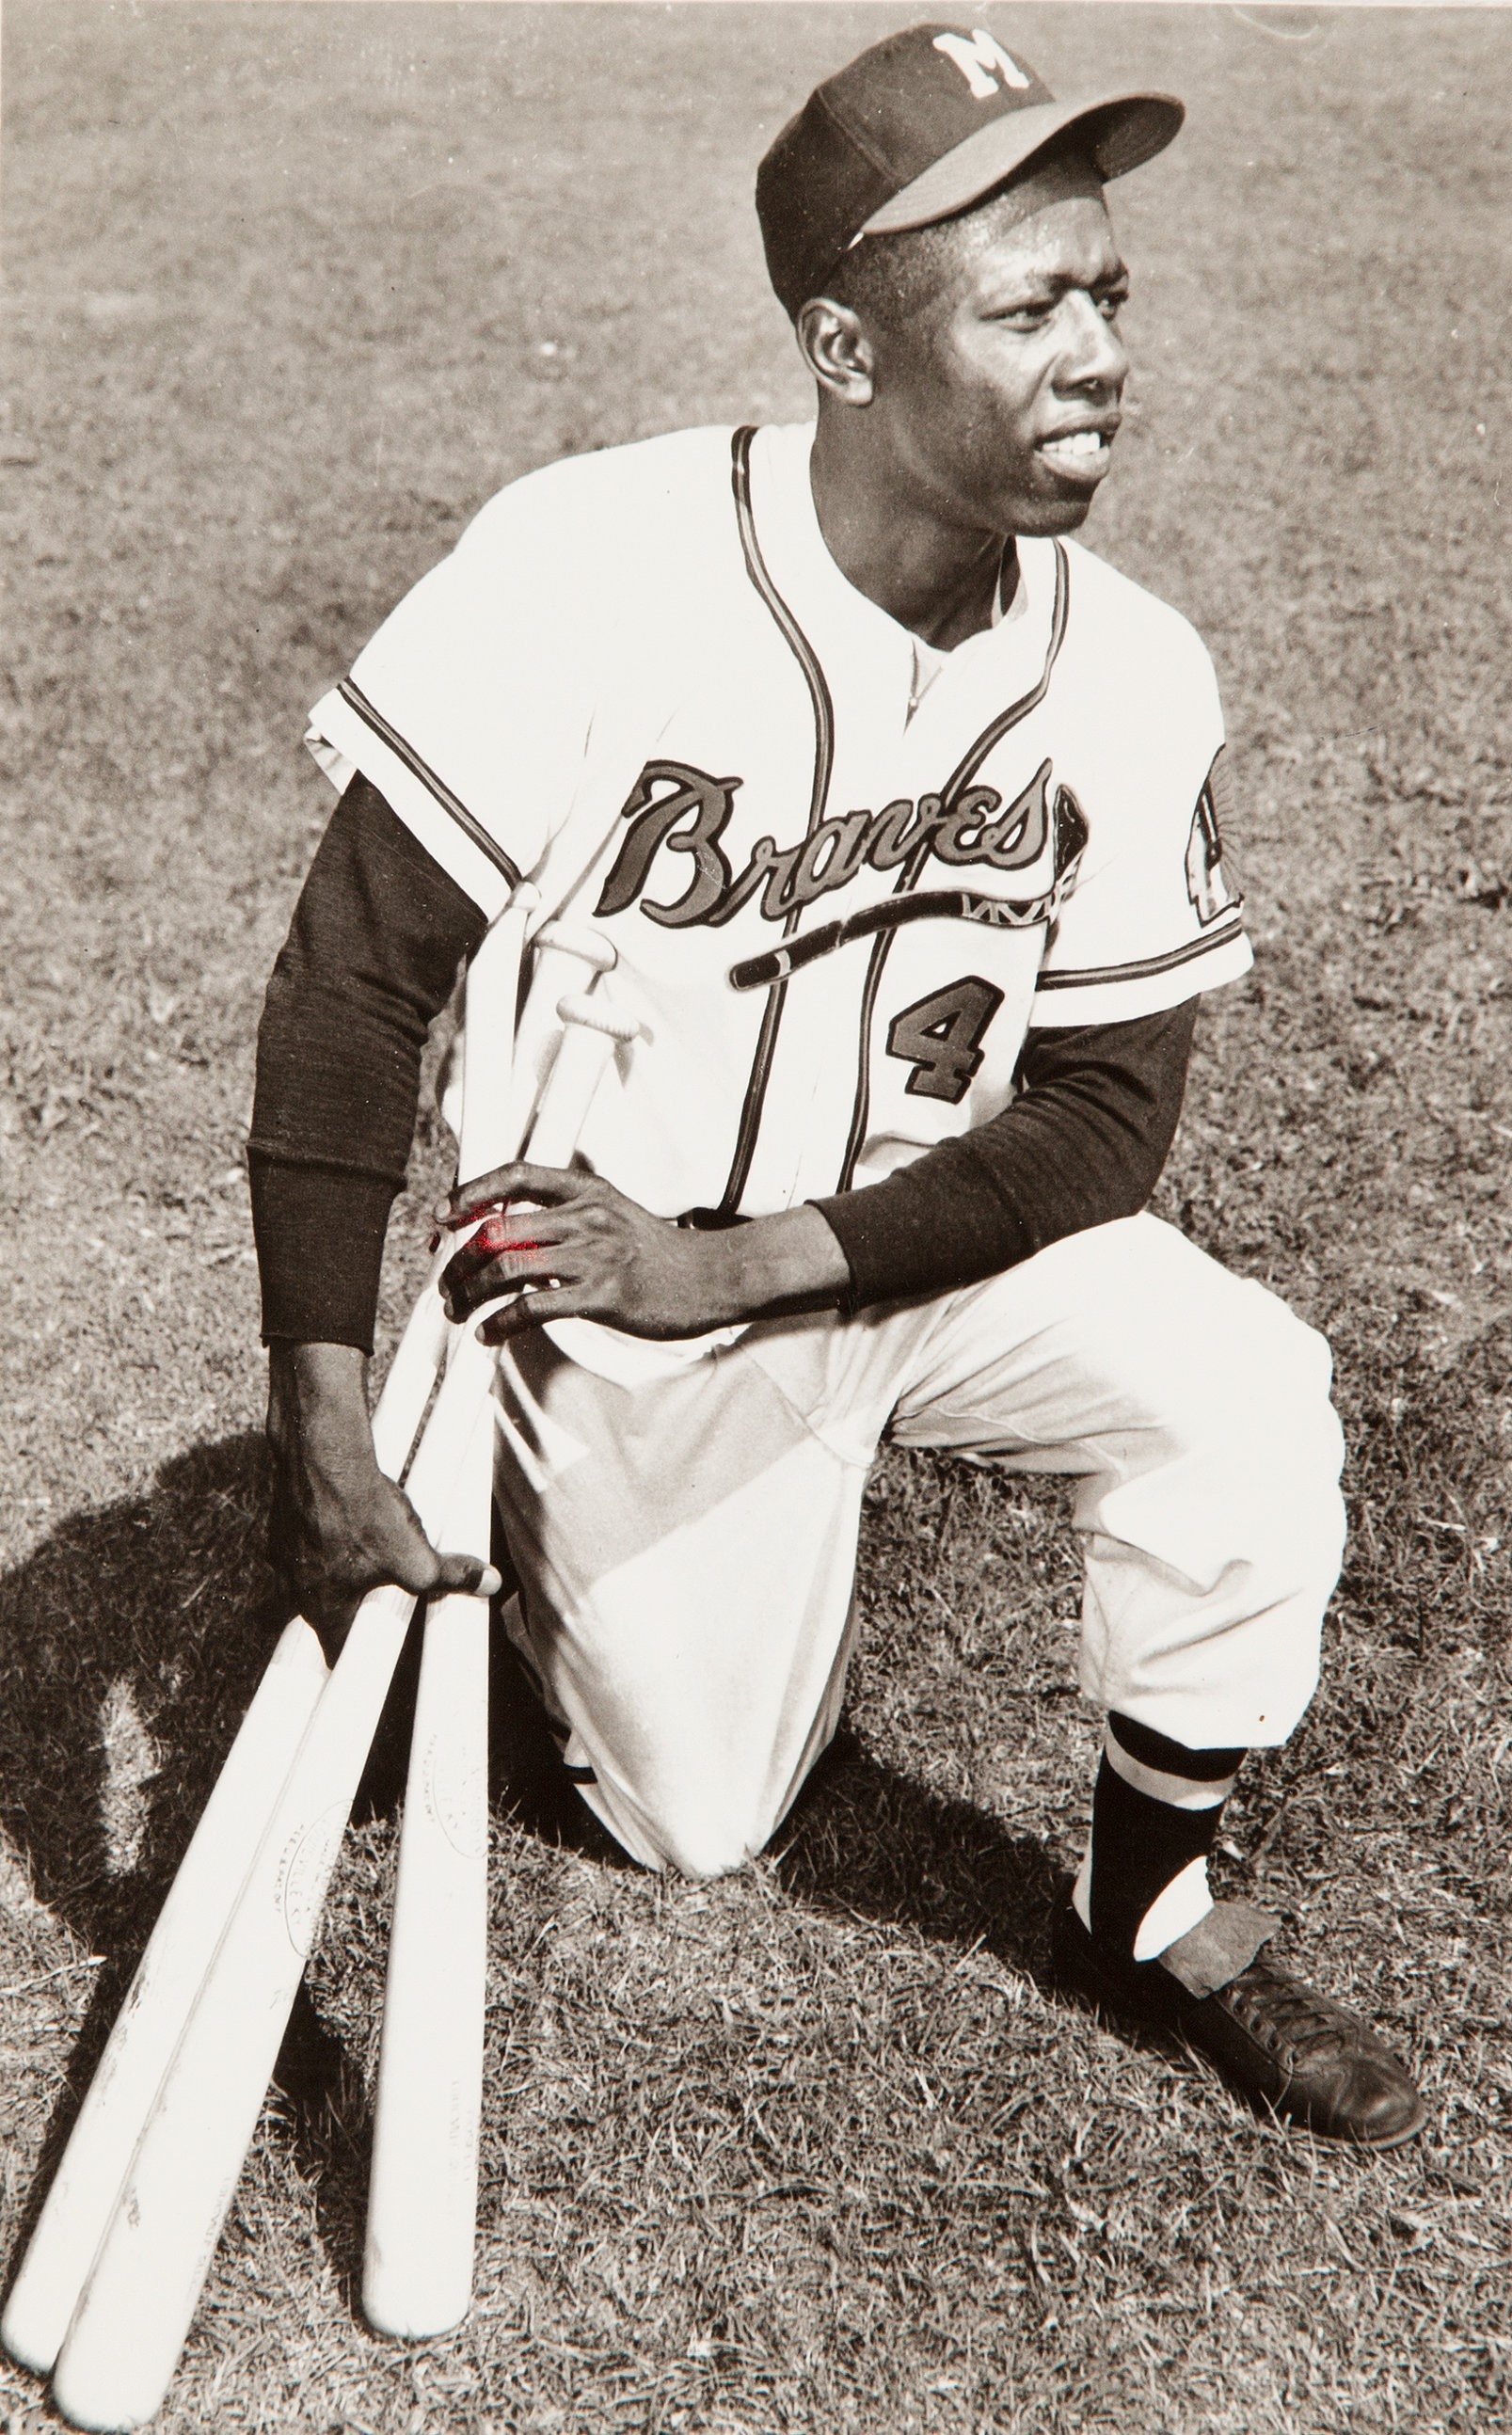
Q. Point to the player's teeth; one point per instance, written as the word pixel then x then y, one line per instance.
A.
pixel 1076 443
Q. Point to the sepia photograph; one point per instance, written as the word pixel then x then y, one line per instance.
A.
pixel 756 1403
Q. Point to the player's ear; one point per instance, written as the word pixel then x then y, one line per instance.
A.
pixel 837 349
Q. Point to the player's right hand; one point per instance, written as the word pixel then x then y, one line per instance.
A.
pixel 338 1527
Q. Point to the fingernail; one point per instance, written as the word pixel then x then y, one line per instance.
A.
pixel 491 1583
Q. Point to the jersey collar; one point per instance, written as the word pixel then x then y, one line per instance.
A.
pixel 866 653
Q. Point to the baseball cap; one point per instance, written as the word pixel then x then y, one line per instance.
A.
pixel 922 124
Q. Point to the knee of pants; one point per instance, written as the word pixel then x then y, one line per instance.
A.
pixel 701 1854
pixel 1262 1420
pixel 699 1838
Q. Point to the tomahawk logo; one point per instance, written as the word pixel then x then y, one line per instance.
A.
pixel 983 61
pixel 1209 886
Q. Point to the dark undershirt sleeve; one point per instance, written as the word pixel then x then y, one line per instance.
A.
pixel 1084 1143
pixel 369 960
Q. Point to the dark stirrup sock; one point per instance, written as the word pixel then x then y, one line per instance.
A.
pixel 1144 1882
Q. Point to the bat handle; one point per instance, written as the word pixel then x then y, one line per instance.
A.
pixel 592 1030
pixel 567 955
pixel 491 1011
pixel 492 988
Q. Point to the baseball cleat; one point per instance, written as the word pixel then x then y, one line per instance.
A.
pixel 1290 2050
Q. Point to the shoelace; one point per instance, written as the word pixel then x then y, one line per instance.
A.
pixel 1280 2014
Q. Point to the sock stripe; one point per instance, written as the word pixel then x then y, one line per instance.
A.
pixel 1167 1757
pixel 1176 1791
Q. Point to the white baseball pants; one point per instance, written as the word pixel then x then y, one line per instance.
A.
pixel 686 1546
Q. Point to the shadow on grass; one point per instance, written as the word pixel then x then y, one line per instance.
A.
pixel 874 1844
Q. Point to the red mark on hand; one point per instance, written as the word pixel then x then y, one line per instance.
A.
pixel 493 1236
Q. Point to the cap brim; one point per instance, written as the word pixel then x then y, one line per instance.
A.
pixel 1123 131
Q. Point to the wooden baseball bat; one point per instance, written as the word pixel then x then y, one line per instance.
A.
pixel 423 2193
pixel 118 2358
pixel 146 2029
pixel 427 2109
pixel 140 2045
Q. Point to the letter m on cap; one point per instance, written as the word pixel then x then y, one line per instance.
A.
pixel 983 61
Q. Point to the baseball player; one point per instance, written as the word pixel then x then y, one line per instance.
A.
pixel 901 813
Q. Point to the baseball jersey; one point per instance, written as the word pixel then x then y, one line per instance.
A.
pixel 642 682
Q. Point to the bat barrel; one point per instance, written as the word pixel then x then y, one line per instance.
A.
pixel 121 2350
pixel 182 1943
pixel 422 2194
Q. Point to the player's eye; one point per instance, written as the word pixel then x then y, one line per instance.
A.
pixel 1112 299
pixel 1029 315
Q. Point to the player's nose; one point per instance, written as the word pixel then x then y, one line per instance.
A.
pixel 1094 356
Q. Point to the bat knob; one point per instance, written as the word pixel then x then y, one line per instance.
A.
pixel 598 1015
pixel 575 939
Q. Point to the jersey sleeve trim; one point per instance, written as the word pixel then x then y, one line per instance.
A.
pixel 1118 992
pixel 1098 976
pixel 473 829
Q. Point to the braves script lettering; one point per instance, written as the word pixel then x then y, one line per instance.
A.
pixel 675 807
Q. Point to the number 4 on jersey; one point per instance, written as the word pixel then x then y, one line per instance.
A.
pixel 941 1037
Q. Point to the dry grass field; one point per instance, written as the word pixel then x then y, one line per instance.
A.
pixel 291 290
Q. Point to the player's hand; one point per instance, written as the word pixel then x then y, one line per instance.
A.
pixel 589 1252
pixel 338 1527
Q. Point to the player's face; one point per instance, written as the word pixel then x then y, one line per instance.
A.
pixel 1001 402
